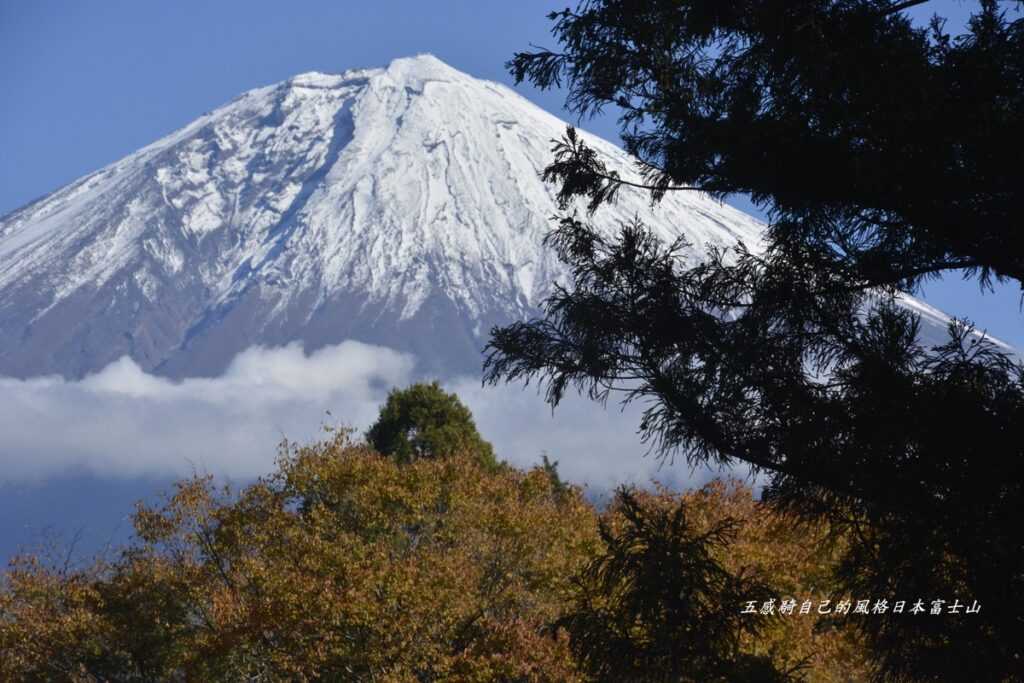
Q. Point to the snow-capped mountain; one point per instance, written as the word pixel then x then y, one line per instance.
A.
pixel 399 206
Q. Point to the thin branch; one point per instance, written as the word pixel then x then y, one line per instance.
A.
pixel 620 181
pixel 924 270
pixel 900 6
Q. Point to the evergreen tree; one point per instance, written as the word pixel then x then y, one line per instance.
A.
pixel 425 421
pixel 656 605
pixel 884 154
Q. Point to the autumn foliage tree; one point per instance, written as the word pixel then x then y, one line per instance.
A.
pixel 661 601
pixel 348 564
pixel 343 565
pixel 656 605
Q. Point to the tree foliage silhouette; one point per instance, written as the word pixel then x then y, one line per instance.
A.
pixel 884 155
pixel 657 605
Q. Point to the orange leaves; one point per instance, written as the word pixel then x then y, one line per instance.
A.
pixel 343 564
pixel 347 565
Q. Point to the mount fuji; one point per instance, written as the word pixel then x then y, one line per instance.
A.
pixel 399 206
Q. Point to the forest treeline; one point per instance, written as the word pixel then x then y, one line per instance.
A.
pixel 413 555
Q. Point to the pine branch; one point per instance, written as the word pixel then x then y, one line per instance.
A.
pixel 900 6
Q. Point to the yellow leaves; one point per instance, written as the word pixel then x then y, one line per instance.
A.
pixel 342 564
pixel 345 565
pixel 48 620
pixel 795 559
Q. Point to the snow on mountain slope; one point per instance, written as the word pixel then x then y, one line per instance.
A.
pixel 398 206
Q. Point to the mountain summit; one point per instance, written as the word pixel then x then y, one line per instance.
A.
pixel 399 206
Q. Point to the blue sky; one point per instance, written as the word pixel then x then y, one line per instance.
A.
pixel 87 82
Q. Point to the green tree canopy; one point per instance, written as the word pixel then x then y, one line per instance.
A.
pixel 425 421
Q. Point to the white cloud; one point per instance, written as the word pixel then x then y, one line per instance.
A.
pixel 123 422
pixel 594 445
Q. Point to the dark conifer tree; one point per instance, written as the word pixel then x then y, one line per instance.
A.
pixel 656 606
pixel 884 154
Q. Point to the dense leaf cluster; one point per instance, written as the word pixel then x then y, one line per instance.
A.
pixel 650 607
pixel 891 148
pixel 883 153
pixel 345 565
pixel 425 421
